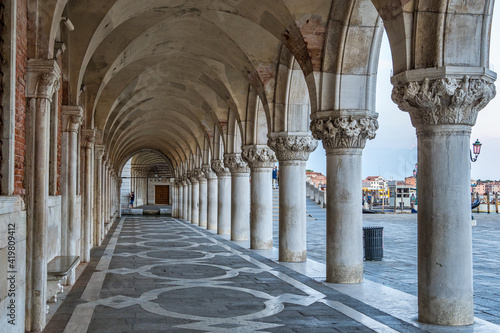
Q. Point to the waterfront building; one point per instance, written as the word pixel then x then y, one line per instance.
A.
pixel 215 92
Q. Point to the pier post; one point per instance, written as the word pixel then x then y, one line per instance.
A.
pixel 443 107
pixel 261 160
pixel 292 150
pixel 344 137
pixel 224 197
pixel 240 196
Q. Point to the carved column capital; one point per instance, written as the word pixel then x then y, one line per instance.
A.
pixel 42 78
pixel 194 176
pixel 72 118
pixel 258 156
pixel 290 147
pixel 235 163
pixel 88 138
pixel 443 101
pixel 209 173
pixel 219 168
pixel 99 152
pixel 200 175
pixel 345 131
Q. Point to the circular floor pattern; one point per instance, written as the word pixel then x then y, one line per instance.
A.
pixel 188 271
pixel 191 254
pixel 211 302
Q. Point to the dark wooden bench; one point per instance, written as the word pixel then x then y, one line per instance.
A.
pixel 57 269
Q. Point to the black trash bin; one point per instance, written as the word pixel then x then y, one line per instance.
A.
pixel 373 243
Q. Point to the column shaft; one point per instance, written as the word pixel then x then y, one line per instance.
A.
pixel 203 202
pixel 261 214
pixel 445 293
pixel 292 210
pixel 87 204
pixel 213 193
pixel 240 206
pixel 224 205
pixel 195 202
pixel 344 238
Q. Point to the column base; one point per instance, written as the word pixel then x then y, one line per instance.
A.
pixel 344 274
pixel 290 256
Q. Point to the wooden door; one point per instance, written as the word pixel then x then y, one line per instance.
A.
pixel 162 195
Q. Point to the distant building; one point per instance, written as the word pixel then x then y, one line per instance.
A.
pixel 317 178
pixel 411 181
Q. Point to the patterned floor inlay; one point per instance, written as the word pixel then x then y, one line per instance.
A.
pixel 159 274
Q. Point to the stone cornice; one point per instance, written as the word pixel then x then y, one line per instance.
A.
pixel 259 156
pixel 345 131
pixel 99 151
pixel 449 100
pixel 200 175
pixel 209 173
pixel 219 168
pixel 72 118
pixel 42 78
pixel 290 147
pixel 235 163
pixel 88 138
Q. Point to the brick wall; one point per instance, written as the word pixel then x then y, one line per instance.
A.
pixel 20 131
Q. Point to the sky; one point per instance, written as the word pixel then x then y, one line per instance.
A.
pixel 393 153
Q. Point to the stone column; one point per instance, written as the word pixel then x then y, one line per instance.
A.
pixel 292 151
pixel 195 197
pixel 212 197
pixel 223 197
pixel 119 183
pixel 344 136
pixel 189 194
pixel 180 198
pixel 72 117
pixel 88 138
pixel 42 81
pixel 240 196
pixel 203 198
pixel 174 197
pixel 185 199
pixel 261 160
pixel 443 106
pixel 98 187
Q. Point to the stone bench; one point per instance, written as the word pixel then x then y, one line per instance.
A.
pixel 57 269
pixel 133 211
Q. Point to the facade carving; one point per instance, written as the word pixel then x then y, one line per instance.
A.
pixel 209 173
pixel 236 164
pixel 219 168
pixel 43 78
pixel 344 131
pixel 88 138
pixel 259 157
pixel 293 147
pixel 197 175
pixel 444 101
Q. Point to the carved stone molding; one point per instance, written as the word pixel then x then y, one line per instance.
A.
pixel 42 78
pixel 209 173
pixel 235 163
pixel 443 101
pixel 99 152
pixel 292 147
pixel 196 174
pixel 88 138
pixel 344 131
pixel 72 117
pixel 200 175
pixel 219 168
pixel 259 156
